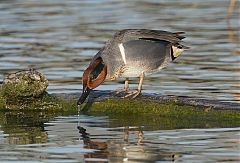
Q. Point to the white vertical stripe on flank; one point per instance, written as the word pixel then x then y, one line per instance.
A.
pixel 122 51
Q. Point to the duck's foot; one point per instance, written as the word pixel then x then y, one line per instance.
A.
pixel 120 91
pixel 124 90
pixel 134 94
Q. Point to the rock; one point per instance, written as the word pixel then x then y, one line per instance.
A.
pixel 24 84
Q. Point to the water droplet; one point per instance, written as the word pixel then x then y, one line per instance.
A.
pixel 78 115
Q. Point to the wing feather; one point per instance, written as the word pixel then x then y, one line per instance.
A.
pixel 151 35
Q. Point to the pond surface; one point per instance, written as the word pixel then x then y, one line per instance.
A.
pixel 59 38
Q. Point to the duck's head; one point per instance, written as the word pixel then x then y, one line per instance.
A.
pixel 93 76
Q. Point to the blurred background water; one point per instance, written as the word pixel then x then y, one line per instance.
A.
pixel 59 38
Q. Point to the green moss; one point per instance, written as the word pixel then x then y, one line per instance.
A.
pixel 24 84
pixel 21 89
pixel 2 101
pixel 45 102
pixel 124 106
pixel 171 109
pixel 154 115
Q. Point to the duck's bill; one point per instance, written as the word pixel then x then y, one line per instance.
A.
pixel 84 95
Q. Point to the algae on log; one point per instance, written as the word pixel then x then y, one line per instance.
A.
pixel 169 112
pixel 170 109
pixel 169 101
pixel 45 102
pixel 108 103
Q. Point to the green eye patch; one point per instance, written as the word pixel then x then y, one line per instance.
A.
pixel 96 71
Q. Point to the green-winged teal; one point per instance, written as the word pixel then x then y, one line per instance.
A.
pixel 132 53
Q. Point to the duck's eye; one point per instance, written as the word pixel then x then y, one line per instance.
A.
pixel 92 76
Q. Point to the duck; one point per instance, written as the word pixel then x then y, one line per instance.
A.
pixel 132 53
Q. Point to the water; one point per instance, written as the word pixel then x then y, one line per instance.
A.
pixel 110 139
pixel 59 38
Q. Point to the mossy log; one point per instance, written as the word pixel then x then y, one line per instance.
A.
pixel 184 101
pixel 199 111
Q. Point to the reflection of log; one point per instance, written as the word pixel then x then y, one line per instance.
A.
pixel 25 127
pixel 178 100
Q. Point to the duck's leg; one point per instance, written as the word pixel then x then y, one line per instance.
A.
pixel 126 85
pixel 139 85
pixel 138 91
pixel 125 89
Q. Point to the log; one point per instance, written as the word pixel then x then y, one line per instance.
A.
pixel 97 96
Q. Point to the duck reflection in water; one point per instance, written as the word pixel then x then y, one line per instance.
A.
pixel 113 150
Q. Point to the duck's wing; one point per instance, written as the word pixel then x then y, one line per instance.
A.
pixel 149 48
pixel 174 39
